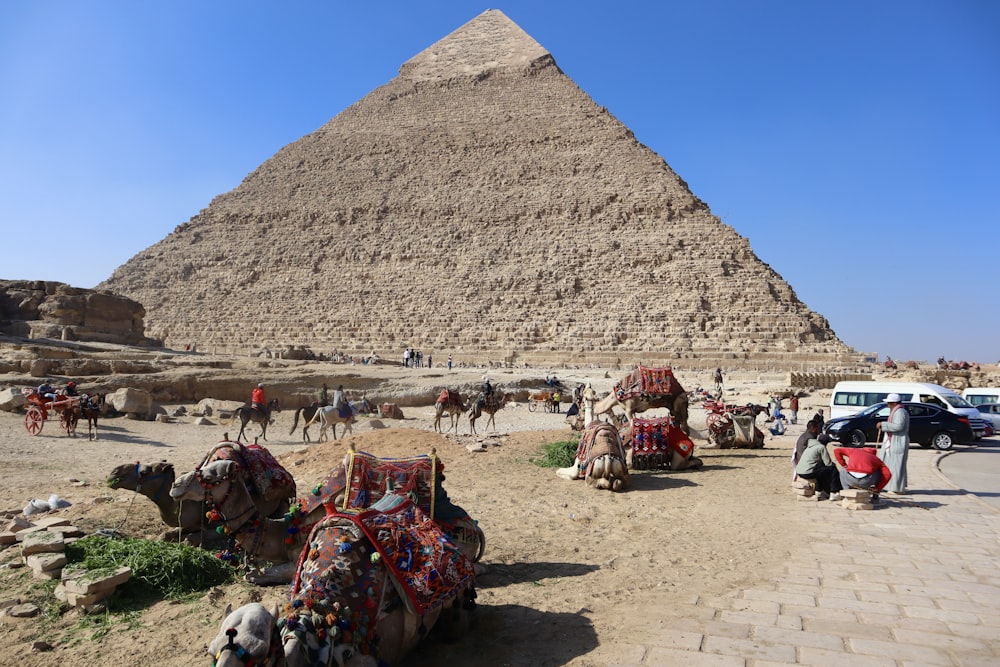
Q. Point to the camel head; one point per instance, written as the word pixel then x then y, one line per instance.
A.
pixel 244 637
pixel 213 479
pixel 132 475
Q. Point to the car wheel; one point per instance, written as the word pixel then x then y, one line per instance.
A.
pixel 856 438
pixel 942 441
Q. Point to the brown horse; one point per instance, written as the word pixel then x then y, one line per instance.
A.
pixel 249 414
pixel 307 413
pixel 91 407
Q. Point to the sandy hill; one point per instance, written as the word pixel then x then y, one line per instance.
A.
pixel 479 204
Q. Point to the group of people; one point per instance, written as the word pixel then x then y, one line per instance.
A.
pixel 48 392
pixel 415 359
pixel 856 468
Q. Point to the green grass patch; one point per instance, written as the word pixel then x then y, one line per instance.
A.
pixel 159 569
pixel 557 454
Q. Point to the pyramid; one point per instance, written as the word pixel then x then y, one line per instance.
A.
pixel 479 204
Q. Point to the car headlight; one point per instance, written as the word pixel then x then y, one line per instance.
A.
pixel 835 428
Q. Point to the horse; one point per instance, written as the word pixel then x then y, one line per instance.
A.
pixel 90 409
pixel 329 416
pixel 307 413
pixel 490 405
pixel 451 402
pixel 251 414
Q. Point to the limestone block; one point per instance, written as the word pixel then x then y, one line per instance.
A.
pixel 85 582
pixel 131 401
pixel 11 399
pixel 42 542
pixel 856 495
pixel 45 562
pixel 8 537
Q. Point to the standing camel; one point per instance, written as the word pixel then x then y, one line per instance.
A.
pixel 491 406
pixel 646 388
pixel 451 402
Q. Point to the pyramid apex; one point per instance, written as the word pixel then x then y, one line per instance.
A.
pixel 489 41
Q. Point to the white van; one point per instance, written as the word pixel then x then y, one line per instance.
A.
pixel 850 397
pixel 980 395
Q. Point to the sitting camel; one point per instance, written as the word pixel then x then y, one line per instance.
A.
pixel 280 541
pixel 600 458
pixel 451 402
pixel 328 417
pixel 361 597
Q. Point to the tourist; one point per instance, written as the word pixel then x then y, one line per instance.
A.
pixel 896 445
pixel 556 398
pixel 817 466
pixel 862 470
pixel 322 397
pixel 430 361
pixel 779 425
pixel 257 399
pixel 449 363
pixel 812 431
pixel 793 410
pixel 818 417
pixel 718 381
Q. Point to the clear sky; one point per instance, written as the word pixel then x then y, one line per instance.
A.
pixel 855 143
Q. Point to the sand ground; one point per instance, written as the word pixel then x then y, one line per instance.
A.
pixel 567 566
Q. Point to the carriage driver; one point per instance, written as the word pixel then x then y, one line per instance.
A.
pixel 70 389
pixel 257 399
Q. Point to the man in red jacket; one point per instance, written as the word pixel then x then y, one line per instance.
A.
pixel 862 469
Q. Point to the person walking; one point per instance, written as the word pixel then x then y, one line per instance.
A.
pixel 449 363
pixel 793 410
pixel 718 382
pixel 896 445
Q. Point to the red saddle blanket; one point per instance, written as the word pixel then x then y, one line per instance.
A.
pixel 265 477
pixel 449 397
pixel 645 381
pixel 653 442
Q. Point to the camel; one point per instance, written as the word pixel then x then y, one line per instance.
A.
pixel 275 540
pixel 307 413
pixel 600 458
pixel 249 414
pixel 328 417
pixel 633 398
pixel 491 405
pixel 451 402
pixel 155 481
pixel 324 623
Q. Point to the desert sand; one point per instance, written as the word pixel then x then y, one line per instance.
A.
pixel 567 567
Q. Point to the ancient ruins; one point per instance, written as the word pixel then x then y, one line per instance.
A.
pixel 481 204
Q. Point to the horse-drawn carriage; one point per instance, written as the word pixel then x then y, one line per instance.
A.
pixel 38 408
pixel 541 399
pixel 734 425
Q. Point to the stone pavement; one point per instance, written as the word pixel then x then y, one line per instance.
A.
pixel 916 581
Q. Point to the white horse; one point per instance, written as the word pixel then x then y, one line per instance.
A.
pixel 329 417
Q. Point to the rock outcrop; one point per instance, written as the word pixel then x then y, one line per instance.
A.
pixel 480 204
pixel 43 309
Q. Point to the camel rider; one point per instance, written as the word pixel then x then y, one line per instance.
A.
pixel 340 403
pixel 257 399
pixel 322 397
pixel 485 392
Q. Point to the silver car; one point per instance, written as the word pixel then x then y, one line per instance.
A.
pixel 991 413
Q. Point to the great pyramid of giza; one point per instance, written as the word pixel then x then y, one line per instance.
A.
pixel 479 204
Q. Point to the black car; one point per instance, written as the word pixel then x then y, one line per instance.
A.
pixel 929 426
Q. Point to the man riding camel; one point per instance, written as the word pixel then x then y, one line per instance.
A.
pixel 485 392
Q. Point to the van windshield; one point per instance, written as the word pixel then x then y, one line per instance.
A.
pixel 957 401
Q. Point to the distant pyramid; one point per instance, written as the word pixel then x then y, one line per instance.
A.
pixel 479 204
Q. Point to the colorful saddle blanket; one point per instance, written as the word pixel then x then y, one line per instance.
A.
pixel 427 567
pixel 265 477
pixel 645 381
pixel 654 441
pixel 449 397
pixel 591 447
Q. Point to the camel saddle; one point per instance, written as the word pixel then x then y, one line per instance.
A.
pixel 645 381
pixel 653 442
pixel 265 477
pixel 449 397
pixel 589 448
pixel 426 565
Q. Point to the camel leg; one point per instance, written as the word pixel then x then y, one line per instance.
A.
pixel 572 472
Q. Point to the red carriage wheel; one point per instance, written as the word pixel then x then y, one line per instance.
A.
pixel 713 420
pixel 34 420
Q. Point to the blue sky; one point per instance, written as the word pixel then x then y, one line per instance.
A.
pixel 855 143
